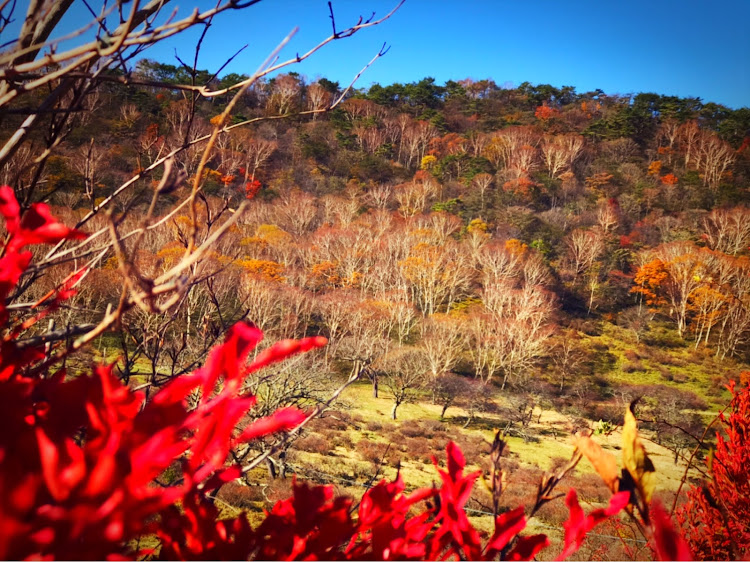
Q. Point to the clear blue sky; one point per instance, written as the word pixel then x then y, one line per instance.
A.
pixel 687 48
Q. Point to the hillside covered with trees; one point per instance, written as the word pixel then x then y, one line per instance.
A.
pixel 473 229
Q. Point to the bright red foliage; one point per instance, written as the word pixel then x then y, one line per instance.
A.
pixel 252 188
pixel 666 541
pixel 715 517
pixel 578 525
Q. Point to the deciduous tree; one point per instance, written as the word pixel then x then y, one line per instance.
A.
pixel 403 373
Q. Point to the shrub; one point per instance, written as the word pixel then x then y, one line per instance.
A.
pixel 665 374
pixel 240 495
pixel 633 366
pixel 418 449
pixel 332 422
pixel 631 355
pixel 342 440
pixel 373 451
pixel 412 428
pixel 716 514
pixel 434 426
pixel 313 443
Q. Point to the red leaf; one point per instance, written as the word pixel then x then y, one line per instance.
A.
pixel 12 266
pixel 281 420
pixel 66 289
pixel 284 349
pixel 38 226
pixel 578 525
pixel 528 547
pixel 456 460
pixel 63 465
pixel 227 359
pixel 10 209
pixel 214 432
pixel 669 545
pixel 507 526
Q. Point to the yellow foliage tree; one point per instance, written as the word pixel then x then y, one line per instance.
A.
pixel 263 269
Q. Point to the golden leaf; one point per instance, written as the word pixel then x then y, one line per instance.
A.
pixel 634 456
pixel 604 463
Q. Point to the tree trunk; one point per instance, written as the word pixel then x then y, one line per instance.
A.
pixel 271 469
pixel 393 411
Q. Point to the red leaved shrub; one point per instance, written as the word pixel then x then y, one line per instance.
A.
pixel 716 517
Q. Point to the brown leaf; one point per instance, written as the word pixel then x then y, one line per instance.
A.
pixel 634 456
pixel 604 463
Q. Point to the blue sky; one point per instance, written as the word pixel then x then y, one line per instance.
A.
pixel 686 48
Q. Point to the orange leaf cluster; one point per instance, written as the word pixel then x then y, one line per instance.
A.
pixel 648 279
pixel 669 179
pixel 265 269
pixel 598 180
pixel 544 112
pixel 654 168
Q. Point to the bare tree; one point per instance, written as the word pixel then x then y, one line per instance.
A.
pixel 513 149
pixel 714 157
pixel 606 216
pixel 442 342
pixel 129 114
pixel 285 93
pixel 584 248
pixel 728 230
pixel 296 211
pixel 415 139
pixel 687 139
pixel 413 196
pixel 567 357
pixel 436 275
pixel 734 326
pixel 175 300
pixel 257 152
pixel 88 162
pixel 380 195
pixel 318 98
pixel 449 389
pixel 403 316
pixel 482 182
pixel 486 345
pixel 560 152
pixel 667 135
pixel 54 86
pixel 369 136
pixel 684 266
pixel 364 339
pixel 403 374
